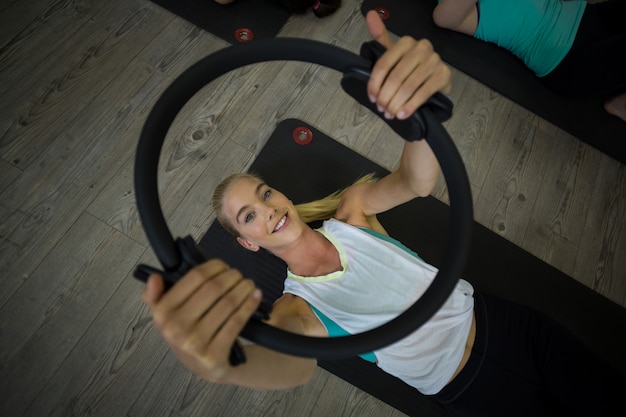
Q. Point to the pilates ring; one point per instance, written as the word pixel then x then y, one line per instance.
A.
pixel 176 262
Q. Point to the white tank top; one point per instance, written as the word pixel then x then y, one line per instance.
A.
pixel 380 279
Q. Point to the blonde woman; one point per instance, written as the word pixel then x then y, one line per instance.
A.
pixel 349 276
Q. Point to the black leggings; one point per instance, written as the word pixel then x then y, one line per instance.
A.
pixel 524 364
pixel 596 63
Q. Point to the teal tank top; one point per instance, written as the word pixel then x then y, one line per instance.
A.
pixel 540 32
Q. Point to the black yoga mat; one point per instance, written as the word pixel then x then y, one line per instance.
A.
pixel 243 20
pixel 502 71
pixel 496 266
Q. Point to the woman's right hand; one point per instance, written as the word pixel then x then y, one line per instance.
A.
pixel 201 316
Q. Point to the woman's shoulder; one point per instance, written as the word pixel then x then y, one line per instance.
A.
pixel 351 209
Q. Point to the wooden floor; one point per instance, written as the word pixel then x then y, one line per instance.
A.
pixel 78 79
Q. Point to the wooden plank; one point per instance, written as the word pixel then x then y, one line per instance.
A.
pixel 116 356
pixel 16 17
pixel 9 250
pixel 49 28
pixel 178 46
pixel 601 262
pixel 504 197
pixel 31 125
pixel 8 174
pixel 296 401
pixel 51 315
pixel 7 5
pixel 75 168
pixel 554 226
pixel 173 389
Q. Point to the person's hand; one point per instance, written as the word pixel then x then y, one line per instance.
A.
pixel 201 316
pixel 407 75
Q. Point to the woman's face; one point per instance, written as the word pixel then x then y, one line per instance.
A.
pixel 263 216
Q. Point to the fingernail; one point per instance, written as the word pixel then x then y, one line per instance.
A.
pixel 388 116
pixel 401 114
pixel 257 294
pixel 380 108
pixel 372 98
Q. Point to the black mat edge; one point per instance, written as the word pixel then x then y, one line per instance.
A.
pixel 262 18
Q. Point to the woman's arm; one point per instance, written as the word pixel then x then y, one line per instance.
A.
pixel 202 315
pixel 270 370
pixel 458 15
pixel 405 77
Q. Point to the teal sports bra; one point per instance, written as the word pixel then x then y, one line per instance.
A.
pixel 540 32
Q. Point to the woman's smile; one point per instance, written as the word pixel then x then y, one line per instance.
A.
pixel 282 223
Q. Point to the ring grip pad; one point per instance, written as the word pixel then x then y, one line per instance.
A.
pixel 354 83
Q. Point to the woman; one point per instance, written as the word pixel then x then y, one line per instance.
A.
pixel 574 47
pixel 351 273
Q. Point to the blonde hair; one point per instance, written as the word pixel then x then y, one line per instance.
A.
pixel 311 211
pixel 326 207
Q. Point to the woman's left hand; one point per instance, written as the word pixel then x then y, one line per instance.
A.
pixel 407 74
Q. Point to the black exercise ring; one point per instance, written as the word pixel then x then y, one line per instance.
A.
pixel 286 49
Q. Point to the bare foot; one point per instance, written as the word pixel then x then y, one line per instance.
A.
pixel 617 106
